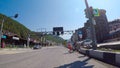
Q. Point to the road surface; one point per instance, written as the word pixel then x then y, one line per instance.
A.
pixel 50 57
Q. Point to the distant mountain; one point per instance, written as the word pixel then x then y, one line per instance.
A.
pixel 50 37
pixel 53 38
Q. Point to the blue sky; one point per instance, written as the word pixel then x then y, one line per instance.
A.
pixel 36 14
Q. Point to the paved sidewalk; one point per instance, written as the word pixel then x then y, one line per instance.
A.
pixel 14 50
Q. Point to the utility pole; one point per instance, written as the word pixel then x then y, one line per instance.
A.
pixel 1 31
pixel 4 18
pixel 28 40
pixel 91 19
pixel 43 32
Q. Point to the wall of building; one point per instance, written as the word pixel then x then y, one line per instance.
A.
pixel 105 31
pixel 101 27
pixel 114 30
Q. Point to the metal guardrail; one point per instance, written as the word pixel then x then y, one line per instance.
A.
pixel 107 44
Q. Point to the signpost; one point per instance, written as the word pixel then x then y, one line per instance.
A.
pixel 4 36
pixel 90 17
pixel 58 30
pixel 80 34
pixel 96 12
pixel 15 38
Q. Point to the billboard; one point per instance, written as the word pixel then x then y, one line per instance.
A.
pixel 57 30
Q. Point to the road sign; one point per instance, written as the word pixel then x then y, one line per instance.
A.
pixel 80 34
pixel 58 30
pixel 4 36
pixel 96 12
pixel 15 38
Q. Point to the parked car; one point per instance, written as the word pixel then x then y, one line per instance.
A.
pixel 78 45
pixel 37 47
pixel 87 43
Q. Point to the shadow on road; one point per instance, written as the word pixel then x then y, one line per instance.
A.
pixel 77 64
pixel 82 56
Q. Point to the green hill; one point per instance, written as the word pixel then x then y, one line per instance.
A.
pixel 21 31
pixel 14 27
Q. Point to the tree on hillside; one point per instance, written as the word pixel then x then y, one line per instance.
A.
pixel 15 27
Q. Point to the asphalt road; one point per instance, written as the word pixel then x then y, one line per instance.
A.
pixel 50 57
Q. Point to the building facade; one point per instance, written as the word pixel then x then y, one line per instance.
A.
pixel 114 30
pixel 101 27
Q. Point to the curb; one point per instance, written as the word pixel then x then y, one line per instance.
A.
pixel 107 57
pixel 5 49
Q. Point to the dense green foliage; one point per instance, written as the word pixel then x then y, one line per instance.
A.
pixel 50 37
pixel 54 38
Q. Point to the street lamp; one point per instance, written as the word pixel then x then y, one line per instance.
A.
pixel 90 16
pixel 15 16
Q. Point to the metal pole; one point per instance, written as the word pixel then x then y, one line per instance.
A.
pixel 1 31
pixel 16 15
pixel 94 44
pixel 28 40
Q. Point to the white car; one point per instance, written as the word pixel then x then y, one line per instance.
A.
pixel 87 43
pixel 37 47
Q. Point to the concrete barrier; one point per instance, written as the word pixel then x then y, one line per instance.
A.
pixel 108 57
pixel 96 54
pixel 87 52
pixel 84 51
pixel 117 59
